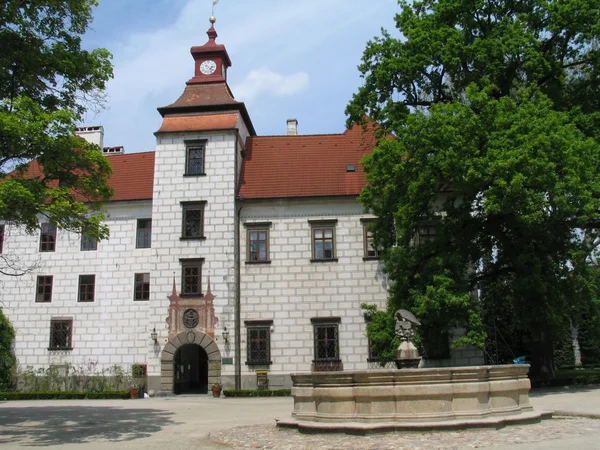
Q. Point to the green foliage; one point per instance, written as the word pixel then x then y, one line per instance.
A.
pixel 257 392
pixel 485 180
pixel 47 82
pixel 380 328
pixel 63 395
pixel 7 357
pixel 85 377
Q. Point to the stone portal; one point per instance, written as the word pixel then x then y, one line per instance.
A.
pixel 200 354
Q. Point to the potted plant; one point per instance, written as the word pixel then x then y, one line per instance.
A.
pixel 216 389
pixel 134 391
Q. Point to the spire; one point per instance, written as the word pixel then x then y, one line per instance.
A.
pixel 212 33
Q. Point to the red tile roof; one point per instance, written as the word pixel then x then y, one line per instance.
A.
pixel 195 95
pixel 305 165
pixel 132 177
pixel 199 123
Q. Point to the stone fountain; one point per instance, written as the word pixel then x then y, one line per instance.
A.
pixel 370 401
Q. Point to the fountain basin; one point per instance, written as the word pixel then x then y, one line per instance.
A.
pixel 384 400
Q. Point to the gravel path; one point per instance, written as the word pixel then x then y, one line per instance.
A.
pixel 270 437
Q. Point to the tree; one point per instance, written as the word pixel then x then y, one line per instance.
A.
pixel 490 181
pixel 47 82
pixel 7 357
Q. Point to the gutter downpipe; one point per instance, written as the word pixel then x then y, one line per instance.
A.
pixel 238 205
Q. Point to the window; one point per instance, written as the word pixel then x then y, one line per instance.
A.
pixel 326 344
pixel 44 289
pixel 88 243
pixel 193 220
pixel 323 240
pixel 191 277
pixel 1 238
pixel 142 286
pixel 143 238
pixel 370 250
pixel 258 342
pixel 48 237
pixel 194 164
pixel 258 242
pixel 60 334
pixel 87 284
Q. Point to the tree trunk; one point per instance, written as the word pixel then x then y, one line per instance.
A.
pixel 542 359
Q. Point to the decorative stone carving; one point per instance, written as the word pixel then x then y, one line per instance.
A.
pixel 190 318
pixel 180 320
pixel 406 324
pixel 407 354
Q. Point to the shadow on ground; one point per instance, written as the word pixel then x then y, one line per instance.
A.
pixel 56 425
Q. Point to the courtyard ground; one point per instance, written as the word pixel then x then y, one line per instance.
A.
pixel 204 422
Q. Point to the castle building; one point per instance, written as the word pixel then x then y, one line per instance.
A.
pixel 232 257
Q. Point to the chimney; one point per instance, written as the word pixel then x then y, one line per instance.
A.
pixel 94 135
pixel 292 127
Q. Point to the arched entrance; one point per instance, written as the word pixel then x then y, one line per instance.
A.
pixel 190 370
pixel 189 362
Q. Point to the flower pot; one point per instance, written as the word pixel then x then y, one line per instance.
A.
pixel 216 391
pixel 134 393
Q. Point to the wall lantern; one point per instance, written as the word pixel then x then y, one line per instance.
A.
pixel 154 336
pixel 226 335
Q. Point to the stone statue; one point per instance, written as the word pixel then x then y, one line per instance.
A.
pixel 407 355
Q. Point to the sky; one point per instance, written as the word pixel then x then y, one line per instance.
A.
pixel 289 59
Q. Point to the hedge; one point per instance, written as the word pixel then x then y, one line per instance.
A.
pixel 63 395
pixel 257 392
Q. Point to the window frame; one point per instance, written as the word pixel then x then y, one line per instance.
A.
pixel 191 145
pixel 258 227
pixel 86 289
pixel 42 282
pixel 48 230
pixel 191 263
pixel 142 284
pixel 146 236
pixel 323 225
pixel 68 338
pixel 367 237
pixel 329 363
pixel 258 326
pixel 88 243
pixel 192 206
pixel 2 230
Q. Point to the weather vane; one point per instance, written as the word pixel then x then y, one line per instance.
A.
pixel 213 7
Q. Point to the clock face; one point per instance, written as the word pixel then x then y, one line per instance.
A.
pixel 208 67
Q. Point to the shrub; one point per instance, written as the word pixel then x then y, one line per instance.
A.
pixel 257 392
pixel 66 395
pixel 7 357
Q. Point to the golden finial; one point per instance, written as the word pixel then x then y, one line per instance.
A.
pixel 212 19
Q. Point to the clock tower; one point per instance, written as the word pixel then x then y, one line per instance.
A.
pixel 211 60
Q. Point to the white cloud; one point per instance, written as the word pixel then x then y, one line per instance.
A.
pixel 265 81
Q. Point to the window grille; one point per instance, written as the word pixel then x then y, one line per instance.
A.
pixel 259 345
pixel 191 277
pixel 195 159
pixel 60 334
pixel 326 344
pixel 193 221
